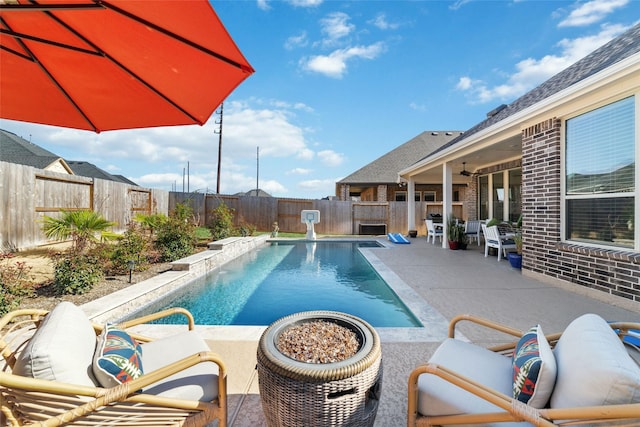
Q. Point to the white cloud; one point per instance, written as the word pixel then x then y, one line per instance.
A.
pixel 330 157
pixel 321 186
pixel 417 107
pixel 458 4
pixel 336 26
pixel 299 171
pixel 530 72
pixel 381 22
pixel 591 11
pixel 335 64
pixel 464 83
pixel 264 4
pixel 299 40
pixel 305 3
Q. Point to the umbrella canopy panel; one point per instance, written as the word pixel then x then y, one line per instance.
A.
pixel 105 65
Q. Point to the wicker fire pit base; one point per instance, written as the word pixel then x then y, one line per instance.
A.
pixel 342 394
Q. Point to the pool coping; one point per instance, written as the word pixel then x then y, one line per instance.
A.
pixel 117 305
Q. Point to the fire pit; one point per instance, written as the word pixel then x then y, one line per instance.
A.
pixel 320 368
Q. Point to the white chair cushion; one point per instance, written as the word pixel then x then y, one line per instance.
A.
pixel 594 367
pixel 199 382
pixel 61 349
pixel 438 397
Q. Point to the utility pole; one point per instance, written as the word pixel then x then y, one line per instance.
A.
pixel 219 132
pixel 257 168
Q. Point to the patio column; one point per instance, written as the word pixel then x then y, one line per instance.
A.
pixel 447 198
pixel 411 204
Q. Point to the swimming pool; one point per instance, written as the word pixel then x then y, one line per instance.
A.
pixel 287 277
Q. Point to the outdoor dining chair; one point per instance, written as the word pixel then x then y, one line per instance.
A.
pixel 433 231
pixel 493 239
pixel 472 230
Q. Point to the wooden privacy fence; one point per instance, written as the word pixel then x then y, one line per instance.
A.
pixel 336 217
pixel 28 194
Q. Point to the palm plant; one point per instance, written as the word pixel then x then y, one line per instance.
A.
pixel 81 226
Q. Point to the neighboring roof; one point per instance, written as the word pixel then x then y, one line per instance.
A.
pixel 126 180
pixel 622 47
pixel 92 171
pixel 385 169
pixel 254 193
pixel 14 149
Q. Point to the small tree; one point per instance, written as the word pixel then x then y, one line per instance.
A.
pixel 81 226
pixel 76 272
pixel 222 224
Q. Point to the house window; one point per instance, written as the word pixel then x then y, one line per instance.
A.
pixel 600 179
pixel 401 196
pixel 417 196
pixel 429 196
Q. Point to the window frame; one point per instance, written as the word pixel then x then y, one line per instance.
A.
pixel 635 194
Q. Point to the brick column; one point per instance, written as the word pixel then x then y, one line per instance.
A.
pixel 541 167
pixel 382 193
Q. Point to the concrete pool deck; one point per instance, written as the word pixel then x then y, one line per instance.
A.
pixel 444 283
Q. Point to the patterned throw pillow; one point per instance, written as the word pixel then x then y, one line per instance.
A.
pixel 118 357
pixel 534 369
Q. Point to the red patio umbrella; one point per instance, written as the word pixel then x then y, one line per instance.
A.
pixel 120 64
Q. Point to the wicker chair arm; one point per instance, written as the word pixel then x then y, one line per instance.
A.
pixel 514 410
pixel 123 392
pixel 159 315
pixel 483 322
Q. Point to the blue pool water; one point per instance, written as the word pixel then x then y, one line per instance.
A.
pixel 287 277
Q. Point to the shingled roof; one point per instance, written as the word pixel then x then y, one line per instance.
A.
pixel 616 50
pixel 14 149
pixel 385 169
pixel 90 170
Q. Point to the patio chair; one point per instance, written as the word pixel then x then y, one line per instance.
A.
pixel 433 231
pixel 584 375
pixel 58 368
pixel 472 230
pixel 493 239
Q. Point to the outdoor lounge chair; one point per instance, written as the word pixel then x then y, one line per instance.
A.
pixel 433 231
pixel 60 369
pixel 493 239
pixel 584 375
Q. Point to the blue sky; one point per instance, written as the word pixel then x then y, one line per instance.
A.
pixel 340 83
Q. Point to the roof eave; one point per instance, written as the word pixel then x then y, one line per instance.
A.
pixel 616 71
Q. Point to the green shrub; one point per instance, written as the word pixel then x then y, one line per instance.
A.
pixel 246 230
pixel 76 274
pixel 131 247
pixel 176 237
pixel 15 283
pixel 222 224
pixel 151 222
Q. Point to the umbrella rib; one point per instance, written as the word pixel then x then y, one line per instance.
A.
pixel 36 7
pixel 49 42
pixel 175 36
pixel 44 69
pixel 100 52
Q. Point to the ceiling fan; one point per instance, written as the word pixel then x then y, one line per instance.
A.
pixel 464 171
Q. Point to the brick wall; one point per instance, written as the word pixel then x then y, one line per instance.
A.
pixel 611 271
pixel 382 193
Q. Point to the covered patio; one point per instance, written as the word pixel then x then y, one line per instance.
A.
pixel 563 157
